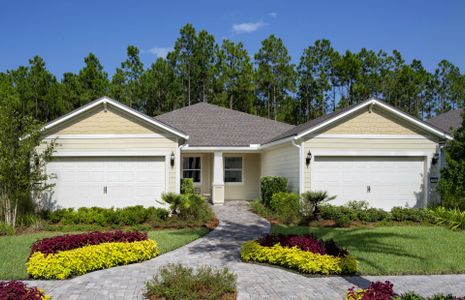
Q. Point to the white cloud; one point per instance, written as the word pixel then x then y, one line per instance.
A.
pixel 273 14
pixel 247 27
pixel 160 51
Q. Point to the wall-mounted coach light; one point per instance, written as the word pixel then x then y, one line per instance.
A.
pixel 308 158
pixel 172 159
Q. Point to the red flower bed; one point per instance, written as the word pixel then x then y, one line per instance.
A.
pixel 14 290
pixel 68 242
pixel 305 242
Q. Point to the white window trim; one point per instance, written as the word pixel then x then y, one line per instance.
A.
pixel 201 169
pixel 242 169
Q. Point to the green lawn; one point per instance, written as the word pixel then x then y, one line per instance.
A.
pixel 396 249
pixel 14 250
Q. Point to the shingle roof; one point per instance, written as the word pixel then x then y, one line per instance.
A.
pixel 448 121
pixel 211 125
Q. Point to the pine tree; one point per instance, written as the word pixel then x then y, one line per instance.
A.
pixel 276 76
pixel 452 182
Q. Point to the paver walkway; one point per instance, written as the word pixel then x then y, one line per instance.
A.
pixel 221 248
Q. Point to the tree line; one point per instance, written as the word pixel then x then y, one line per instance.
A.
pixel 199 69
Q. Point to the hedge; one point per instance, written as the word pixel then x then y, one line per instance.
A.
pixel 131 215
pixel 294 258
pixel 79 261
pixel 270 185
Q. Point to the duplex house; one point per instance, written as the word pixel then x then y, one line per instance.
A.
pixel 110 155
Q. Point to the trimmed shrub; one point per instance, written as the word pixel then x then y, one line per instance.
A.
pixel 187 186
pixel 373 215
pixel 79 261
pixel 130 216
pixel 270 185
pixel 14 290
pixel 342 221
pixel 287 207
pixel 402 214
pixel 297 259
pixel 176 281
pixel 69 242
pixel 344 214
pixel 305 242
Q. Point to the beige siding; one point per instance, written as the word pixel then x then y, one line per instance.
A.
pixel 375 122
pixel 345 146
pixel 98 121
pixel 249 189
pixel 75 138
pixel 282 161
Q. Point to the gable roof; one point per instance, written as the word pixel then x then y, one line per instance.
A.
pixel 448 121
pixel 107 101
pixel 211 125
pixel 315 124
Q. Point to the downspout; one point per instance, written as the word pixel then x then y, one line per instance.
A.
pixel 301 165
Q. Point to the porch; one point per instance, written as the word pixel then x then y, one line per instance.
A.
pixel 222 176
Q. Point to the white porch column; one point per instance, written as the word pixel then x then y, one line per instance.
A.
pixel 218 179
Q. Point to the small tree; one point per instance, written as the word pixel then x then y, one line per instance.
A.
pixel 313 200
pixel 22 165
pixel 452 183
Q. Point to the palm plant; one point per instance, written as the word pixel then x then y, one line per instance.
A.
pixel 174 200
pixel 314 199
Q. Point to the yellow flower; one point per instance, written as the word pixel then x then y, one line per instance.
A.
pixel 82 260
pixel 297 259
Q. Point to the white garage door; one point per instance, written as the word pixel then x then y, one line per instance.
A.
pixel 384 182
pixel 107 181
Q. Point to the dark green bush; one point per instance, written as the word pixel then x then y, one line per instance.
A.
pixel 287 207
pixel 179 282
pixel 402 214
pixel 132 215
pixel 270 185
pixel 342 221
pixel 187 186
pixel 375 215
pixel 330 212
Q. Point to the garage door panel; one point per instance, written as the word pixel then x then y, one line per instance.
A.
pixel 128 180
pixel 384 182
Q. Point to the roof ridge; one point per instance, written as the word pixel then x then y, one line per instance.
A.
pixel 228 109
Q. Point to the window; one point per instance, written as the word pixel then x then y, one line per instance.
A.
pixel 191 168
pixel 233 169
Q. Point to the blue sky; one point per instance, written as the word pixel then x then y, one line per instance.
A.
pixel 64 32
